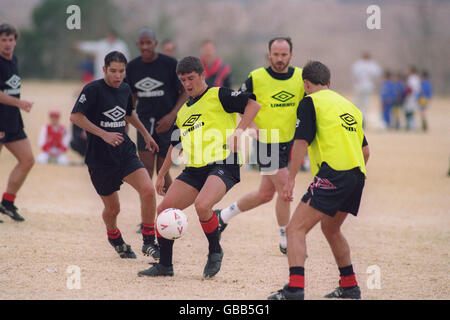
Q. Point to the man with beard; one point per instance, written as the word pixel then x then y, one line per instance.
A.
pixel 278 89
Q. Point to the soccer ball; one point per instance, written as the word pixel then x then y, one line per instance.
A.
pixel 172 223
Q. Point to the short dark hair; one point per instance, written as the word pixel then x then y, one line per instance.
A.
pixel 9 30
pixel 287 39
pixel 115 56
pixel 190 64
pixel 316 72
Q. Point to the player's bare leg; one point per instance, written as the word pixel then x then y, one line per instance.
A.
pixel 331 228
pixel 249 201
pixel 110 213
pixel 148 159
pixel 282 207
pixel 172 199
pixel 140 180
pixel 21 150
pixel 303 220
pixel 212 192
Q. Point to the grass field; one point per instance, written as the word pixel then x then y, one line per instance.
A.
pixel 403 227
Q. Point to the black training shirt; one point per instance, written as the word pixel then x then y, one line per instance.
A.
pixel 306 120
pixel 156 85
pixel 106 107
pixel 10 117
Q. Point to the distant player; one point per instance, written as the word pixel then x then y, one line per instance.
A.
pixel 206 131
pixel 102 109
pixel 425 95
pixel 159 95
pixel 332 128
pixel 278 89
pixel 12 135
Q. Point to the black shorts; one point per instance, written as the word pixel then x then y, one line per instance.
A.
pixel 196 177
pixel 108 179
pixel 6 137
pixel 334 191
pixel 162 139
pixel 273 156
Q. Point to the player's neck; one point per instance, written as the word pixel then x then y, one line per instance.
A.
pixel 151 58
pixel 285 70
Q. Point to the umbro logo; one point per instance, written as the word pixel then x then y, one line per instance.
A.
pixel 115 113
pixel 283 96
pixel 13 82
pixel 348 119
pixel 191 120
pixel 148 84
pixel 82 98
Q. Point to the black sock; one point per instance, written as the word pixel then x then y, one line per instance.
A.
pixel 148 239
pixel 165 251
pixel 213 240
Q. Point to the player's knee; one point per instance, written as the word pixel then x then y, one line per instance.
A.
pixel 266 196
pixel 148 192
pixel 329 230
pixel 113 210
pixel 161 207
pixel 27 162
pixel 202 206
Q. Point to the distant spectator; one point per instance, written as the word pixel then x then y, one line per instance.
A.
pixel 365 73
pixel 87 68
pixel 53 141
pixel 168 48
pixel 218 73
pixel 400 93
pixel 413 87
pixel 101 48
pixel 425 97
pixel 387 95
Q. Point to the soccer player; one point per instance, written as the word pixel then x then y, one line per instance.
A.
pixel 332 128
pixel 159 94
pixel 102 109
pixel 207 133
pixel 12 135
pixel 218 73
pixel 278 89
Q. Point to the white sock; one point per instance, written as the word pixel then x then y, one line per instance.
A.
pixel 230 212
pixel 283 239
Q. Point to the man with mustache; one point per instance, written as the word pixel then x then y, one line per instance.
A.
pixel 278 89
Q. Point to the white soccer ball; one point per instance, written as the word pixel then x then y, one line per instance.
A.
pixel 172 223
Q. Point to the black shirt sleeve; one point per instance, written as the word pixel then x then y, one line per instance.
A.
pixel 175 140
pixel 365 143
pixel 306 121
pixel 128 78
pixel 130 107
pixel 234 101
pixel 247 86
pixel 86 100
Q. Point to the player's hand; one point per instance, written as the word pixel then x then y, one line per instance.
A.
pixel 150 144
pixel 233 140
pixel 113 138
pixel 288 190
pixel 159 185
pixel 165 123
pixel 253 131
pixel 25 105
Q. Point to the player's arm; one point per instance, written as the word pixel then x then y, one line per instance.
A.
pixel 238 102
pixel 173 152
pixel 365 150
pixel 112 138
pixel 133 119
pixel 304 135
pixel 13 101
pixel 166 122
